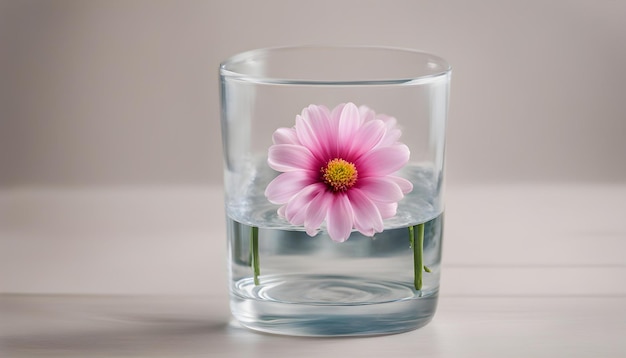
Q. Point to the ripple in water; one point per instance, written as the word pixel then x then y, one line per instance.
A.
pixel 326 290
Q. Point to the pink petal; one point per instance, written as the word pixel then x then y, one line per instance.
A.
pixel 290 157
pixel 340 218
pixel 405 185
pixel 381 189
pixel 318 121
pixel 387 210
pixel 286 185
pixel 383 160
pixel 367 218
pixel 285 136
pixel 366 138
pixel 391 137
pixel 335 115
pixel 349 123
pixel 393 133
pixel 295 210
pixel 307 136
pixel 316 212
pixel 323 109
pixel 366 114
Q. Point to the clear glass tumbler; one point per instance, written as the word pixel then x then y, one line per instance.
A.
pixel 333 178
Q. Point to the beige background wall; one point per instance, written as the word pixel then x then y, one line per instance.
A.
pixel 110 153
pixel 125 92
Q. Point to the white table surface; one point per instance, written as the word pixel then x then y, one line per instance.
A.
pixel 529 271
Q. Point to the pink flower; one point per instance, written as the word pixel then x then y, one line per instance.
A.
pixel 337 167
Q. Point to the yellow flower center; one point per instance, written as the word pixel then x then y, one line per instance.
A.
pixel 339 175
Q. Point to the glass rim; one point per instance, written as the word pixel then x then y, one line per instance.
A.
pixel 439 67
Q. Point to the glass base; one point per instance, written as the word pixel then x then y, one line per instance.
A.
pixel 305 305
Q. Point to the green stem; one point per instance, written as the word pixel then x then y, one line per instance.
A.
pixel 418 254
pixel 254 248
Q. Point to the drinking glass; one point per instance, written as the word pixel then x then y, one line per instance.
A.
pixel 334 183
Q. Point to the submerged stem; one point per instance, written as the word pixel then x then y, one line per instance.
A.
pixel 418 253
pixel 254 253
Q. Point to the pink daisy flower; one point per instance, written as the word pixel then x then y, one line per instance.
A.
pixel 337 167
